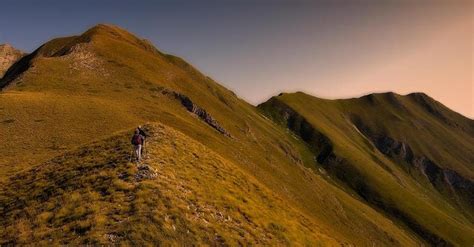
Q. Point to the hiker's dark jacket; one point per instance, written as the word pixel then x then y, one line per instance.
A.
pixel 137 139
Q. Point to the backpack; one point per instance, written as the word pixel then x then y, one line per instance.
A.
pixel 142 133
pixel 137 140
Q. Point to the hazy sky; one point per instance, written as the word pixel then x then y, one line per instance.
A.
pixel 331 49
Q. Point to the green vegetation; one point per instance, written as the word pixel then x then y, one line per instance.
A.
pixel 380 146
pixel 67 111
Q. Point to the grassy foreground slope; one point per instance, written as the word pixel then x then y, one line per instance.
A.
pixel 74 90
pixel 185 193
pixel 409 156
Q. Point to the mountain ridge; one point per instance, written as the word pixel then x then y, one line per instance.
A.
pixel 76 90
pixel 95 182
pixel 384 121
pixel 389 94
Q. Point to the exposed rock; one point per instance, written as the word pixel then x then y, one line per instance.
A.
pixel 442 179
pixel 446 180
pixel 393 148
pixel 464 186
pixel 83 57
pixel 145 172
pixel 81 54
pixel 111 237
pixel 8 56
pixel 429 169
pixel 385 144
pixel 198 111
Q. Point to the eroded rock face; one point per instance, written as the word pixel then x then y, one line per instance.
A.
pixel 8 56
pixel 442 179
pixel 198 111
pixel 446 180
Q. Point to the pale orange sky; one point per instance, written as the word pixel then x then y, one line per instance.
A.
pixel 436 59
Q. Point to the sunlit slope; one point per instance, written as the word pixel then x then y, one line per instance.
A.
pixel 110 65
pixel 410 158
pixel 187 194
pixel 75 90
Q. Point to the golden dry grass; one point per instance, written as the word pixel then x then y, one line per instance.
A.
pixel 106 81
pixel 91 196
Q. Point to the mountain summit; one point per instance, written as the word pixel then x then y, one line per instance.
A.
pixel 384 169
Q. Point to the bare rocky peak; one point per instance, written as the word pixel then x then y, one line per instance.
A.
pixel 8 56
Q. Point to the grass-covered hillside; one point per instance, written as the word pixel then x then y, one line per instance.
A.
pixel 408 156
pixel 183 193
pixel 221 172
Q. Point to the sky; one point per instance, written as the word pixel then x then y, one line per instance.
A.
pixel 330 49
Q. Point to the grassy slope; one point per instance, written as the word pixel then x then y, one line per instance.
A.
pixel 91 196
pixel 84 88
pixel 399 117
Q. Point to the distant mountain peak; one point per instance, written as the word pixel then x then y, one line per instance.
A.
pixel 8 56
pixel 6 46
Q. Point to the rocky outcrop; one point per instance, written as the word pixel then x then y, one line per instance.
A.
pixel 145 172
pixel 385 144
pixel 8 56
pixel 394 148
pixel 197 110
pixel 446 181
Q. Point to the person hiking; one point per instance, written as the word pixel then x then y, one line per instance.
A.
pixel 137 142
pixel 145 135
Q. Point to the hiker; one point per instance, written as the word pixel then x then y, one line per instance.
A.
pixel 137 142
pixel 145 135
